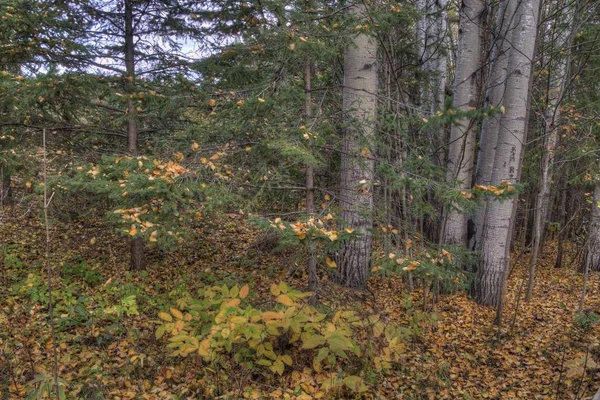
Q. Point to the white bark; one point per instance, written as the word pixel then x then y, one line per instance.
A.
pixel 432 36
pixel 494 97
pixel 357 165
pixel 467 89
pixel 558 68
pixel 495 246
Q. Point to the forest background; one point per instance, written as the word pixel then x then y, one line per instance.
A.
pixel 312 199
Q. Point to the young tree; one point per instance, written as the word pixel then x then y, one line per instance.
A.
pixel 561 34
pixel 467 89
pixel 499 218
pixel 357 164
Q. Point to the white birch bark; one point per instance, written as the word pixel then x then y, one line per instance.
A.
pixel 495 246
pixel 357 165
pixel 494 97
pixel 561 32
pixel 467 89
pixel 432 37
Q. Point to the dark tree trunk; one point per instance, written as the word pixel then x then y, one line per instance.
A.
pixel 138 262
pixel 5 190
pixel 562 227
pixel 130 78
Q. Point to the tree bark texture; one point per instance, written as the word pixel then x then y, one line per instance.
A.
pixel 138 262
pixel 494 96
pixel 432 36
pixel 467 89
pixel 498 223
pixel 357 165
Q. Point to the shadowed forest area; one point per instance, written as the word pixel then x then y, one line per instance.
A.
pixel 299 200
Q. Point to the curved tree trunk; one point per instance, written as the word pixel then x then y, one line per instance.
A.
pixel 357 165
pixel 467 90
pixel 498 223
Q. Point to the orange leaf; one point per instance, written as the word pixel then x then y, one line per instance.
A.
pixel 244 291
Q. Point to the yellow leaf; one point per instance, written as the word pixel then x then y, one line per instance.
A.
pixel 133 230
pixel 269 315
pixel 233 303
pixel 285 300
pixel 165 317
pixel 287 359
pixel 248 148
pixel 408 244
pixel 261 100
pixel 275 290
pixel 327 197
pixel 447 255
pixel 195 146
pixel 212 103
pixel 412 266
pixel 330 263
pixel 152 237
pixel 244 291
pixel 176 313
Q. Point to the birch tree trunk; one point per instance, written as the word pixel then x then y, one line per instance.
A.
pixel 432 32
pixel 357 165
pixel 558 67
pixel 494 96
pixel 495 246
pixel 467 89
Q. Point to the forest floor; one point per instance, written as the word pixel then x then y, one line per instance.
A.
pixel 106 318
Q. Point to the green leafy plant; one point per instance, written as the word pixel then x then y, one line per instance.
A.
pixel 586 320
pixel 221 330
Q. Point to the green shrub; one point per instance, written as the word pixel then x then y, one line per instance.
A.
pixel 586 320
pixel 223 331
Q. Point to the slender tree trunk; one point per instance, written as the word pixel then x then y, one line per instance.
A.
pixel 491 274
pixel 357 165
pixel 137 244
pixel 138 262
pixel 132 134
pixel 467 89
pixel 494 97
pixel 563 221
pixel 5 188
pixel 432 32
pixel 562 34
pixel 592 258
pixel 310 175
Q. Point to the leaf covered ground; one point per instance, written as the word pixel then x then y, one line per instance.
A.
pixel 106 319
